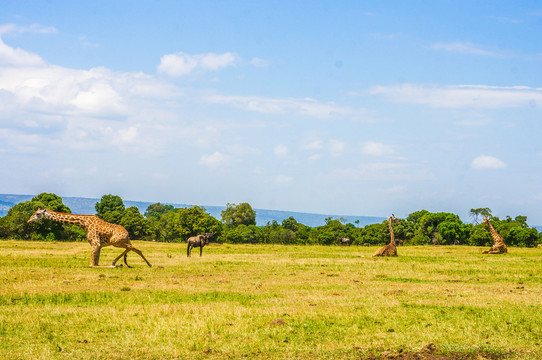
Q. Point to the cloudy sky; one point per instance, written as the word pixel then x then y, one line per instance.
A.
pixel 335 107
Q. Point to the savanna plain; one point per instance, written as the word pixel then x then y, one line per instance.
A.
pixel 269 302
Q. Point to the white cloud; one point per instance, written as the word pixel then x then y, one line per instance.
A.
pixel 314 157
pixel 284 179
pixel 259 62
pixel 128 135
pixel 378 35
pixel 336 147
pixel 306 107
pixel 280 150
pixel 215 62
pixel 37 86
pixel 99 98
pixel 33 28
pixel 474 120
pixel 83 110
pixel 177 65
pixel 460 96
pixel 395 189
pixel 378 170
pixel 182 64
pixel 487 162
pixel 18 57
pixel 313 145
pixel 215 159
pixel 374 148
pixel 464 48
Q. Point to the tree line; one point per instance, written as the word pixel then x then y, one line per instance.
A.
pixel 164 223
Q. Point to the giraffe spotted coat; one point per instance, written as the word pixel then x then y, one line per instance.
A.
pixel 100 233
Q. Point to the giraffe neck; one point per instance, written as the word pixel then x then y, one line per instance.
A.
pixel 392 237
pixel 65 218
pixel 497 239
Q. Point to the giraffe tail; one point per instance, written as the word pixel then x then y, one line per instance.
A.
pixel 126 262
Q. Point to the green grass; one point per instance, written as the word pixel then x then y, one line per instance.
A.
pixel 336 302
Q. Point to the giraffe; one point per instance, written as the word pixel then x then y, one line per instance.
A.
pixel 100 233
pixel 390 249
pixel 499 247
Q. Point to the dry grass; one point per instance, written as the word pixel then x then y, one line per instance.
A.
pixel 334 302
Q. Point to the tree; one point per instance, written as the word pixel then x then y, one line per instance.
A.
pixel 453 232
pixel 282 236
pixel 373 234
pixel 181 224
pixel 424 227
pixel 330 233
pixel 243 234
pixel 478 214
pixel 110 208
pixel 155 211
pixel 301 231
pixel 51 202
pixel 15 225
pixel 235 215
pixel 480 236
pixel 519 236
pixel 138 227
pixel 291 224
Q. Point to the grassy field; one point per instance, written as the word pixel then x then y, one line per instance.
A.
pixel 267 302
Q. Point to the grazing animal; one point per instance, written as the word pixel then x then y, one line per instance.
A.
pixel 100 233
pixel 390 249
pixel 198 241
pixel 344 241
pixel 499 247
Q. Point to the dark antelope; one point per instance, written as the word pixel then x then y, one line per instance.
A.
pixel 198 241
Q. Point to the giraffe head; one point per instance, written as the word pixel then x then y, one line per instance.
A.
pixel 394 220
pixel 486 219
pixel 39 214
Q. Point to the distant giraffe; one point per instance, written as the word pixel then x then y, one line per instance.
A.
pixel 100 233
pixel 499 247
pixel 390 249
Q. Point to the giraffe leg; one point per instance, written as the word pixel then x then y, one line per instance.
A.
pixel 137 251
pixel 200 250
pixel 95 258
pixel 121 255
pixel 188 250
pixel 94 240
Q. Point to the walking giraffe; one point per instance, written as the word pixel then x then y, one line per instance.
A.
pixel 100 233
pixel 390 249
pixel 499 247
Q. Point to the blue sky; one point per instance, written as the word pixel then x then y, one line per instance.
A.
pixel 353 107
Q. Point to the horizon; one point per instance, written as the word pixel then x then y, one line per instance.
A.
pixel 316 107
pixel 314 219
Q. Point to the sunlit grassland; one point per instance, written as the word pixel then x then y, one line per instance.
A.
pixel 336 302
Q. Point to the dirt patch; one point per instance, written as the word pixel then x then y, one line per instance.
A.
pixel 393 292
pixel 430 352
pixel 276 322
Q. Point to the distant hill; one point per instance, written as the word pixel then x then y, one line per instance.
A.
pixel 79 205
